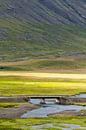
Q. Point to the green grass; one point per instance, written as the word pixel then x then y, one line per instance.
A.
pixel 84 110
pixel 46 64
pixel 22 123
pixel 50 64
pixel 12 104
pixel 9 68
pixel 46 44
pixel 53 129
pixel 18 86
pixel 80 104
pixel 44 41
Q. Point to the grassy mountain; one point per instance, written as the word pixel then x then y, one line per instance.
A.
pixel 42 29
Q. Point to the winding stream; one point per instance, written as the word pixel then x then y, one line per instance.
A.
pixel 50 108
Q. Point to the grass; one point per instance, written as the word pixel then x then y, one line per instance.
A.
pixel 41 45
pixel 80 104
pixel 12 104
pixel 40 41
pixel 44 64
pixel 24 124
pixel 84 110
pixel 53 129
pixel 47 65
pixel 18 86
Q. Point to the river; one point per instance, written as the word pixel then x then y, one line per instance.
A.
pixel 50 108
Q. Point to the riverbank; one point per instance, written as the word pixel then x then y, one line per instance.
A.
pixel 16 111
pixel 18 106
pixel 70 113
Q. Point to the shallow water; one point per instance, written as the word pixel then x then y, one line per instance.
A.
pixel 57 125
pixel 82 95
pixel 50 108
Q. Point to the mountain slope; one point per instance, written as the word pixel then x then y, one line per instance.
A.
pixel 42 29
pixel 46 11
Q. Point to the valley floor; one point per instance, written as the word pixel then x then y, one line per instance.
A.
pixel 18 83
pixel 22 82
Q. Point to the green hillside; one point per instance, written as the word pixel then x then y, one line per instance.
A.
pixel 42 29
pixel 25 41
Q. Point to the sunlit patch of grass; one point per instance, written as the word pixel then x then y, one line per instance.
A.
pixel 18 86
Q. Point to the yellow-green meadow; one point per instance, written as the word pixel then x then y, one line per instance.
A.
pixel 20 86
